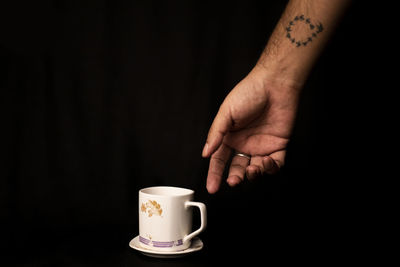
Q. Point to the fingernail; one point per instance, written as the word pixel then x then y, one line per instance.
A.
pixel 205 150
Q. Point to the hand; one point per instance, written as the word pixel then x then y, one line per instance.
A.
pixel 256 118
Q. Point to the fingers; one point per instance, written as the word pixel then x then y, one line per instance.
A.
pixel 254 168
pixel 216 169
pixel 265 165
pixel 218 130
pixel 237 170
pixel 240 167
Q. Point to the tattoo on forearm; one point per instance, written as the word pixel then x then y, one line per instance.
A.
pixel 297 39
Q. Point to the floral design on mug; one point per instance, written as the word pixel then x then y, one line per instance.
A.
pixel 151 207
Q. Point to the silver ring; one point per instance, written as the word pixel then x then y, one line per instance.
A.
pixel 243 155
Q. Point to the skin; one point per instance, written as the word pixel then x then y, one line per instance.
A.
pixel 257 116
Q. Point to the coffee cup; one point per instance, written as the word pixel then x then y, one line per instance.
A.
pixel 165 218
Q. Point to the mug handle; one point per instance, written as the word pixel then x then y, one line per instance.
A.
pixel 203 218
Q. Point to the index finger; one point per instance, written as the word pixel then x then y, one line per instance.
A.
pixel 217 166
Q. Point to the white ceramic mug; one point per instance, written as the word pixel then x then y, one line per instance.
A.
pixel 165 218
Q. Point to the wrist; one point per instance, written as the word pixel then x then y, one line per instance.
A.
pixel 278 77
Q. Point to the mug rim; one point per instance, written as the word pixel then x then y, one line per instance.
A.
pixel 173 191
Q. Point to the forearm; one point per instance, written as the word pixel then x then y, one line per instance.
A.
pixel 299 37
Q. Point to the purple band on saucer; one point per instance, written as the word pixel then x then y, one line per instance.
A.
pixel 160 244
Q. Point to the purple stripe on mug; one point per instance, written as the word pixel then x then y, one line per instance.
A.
pixel 144 240
pixel 161 244
pixel 166 244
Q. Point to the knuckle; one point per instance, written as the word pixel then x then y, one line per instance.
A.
pixel 218 161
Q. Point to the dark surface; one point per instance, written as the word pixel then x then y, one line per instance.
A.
pixel 252 230
pixel 102 98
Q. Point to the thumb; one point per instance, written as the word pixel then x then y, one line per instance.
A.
pixel 219 128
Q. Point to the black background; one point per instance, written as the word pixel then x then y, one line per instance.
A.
pixel 102 98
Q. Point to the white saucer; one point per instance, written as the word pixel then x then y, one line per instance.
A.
pixel 196 245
